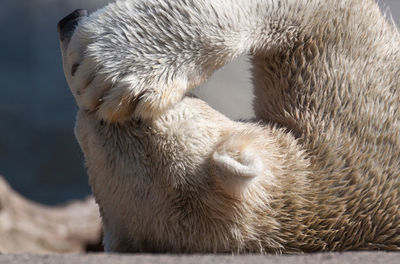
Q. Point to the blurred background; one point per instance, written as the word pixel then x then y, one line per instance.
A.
pixel 39 155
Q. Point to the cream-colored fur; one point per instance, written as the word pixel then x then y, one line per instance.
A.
pixel 319 169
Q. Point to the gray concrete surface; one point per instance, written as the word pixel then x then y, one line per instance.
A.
pixel 326 258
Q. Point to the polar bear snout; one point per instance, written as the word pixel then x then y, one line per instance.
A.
pixel 67 25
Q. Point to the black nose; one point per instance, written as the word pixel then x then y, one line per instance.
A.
pixel 68 24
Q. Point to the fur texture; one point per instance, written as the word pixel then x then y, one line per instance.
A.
pixel 318 170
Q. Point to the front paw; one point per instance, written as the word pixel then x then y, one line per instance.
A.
pixel 111 77
pixel 119 68
pixel 117 97
pixel 111 98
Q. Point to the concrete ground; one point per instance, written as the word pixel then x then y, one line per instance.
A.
pixel 322 258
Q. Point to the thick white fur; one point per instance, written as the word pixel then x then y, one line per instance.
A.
pixel 165 48
pixel 320 171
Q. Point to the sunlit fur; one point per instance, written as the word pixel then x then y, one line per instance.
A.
pixel 317 170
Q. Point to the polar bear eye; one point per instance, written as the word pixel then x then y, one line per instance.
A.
pixel 74 68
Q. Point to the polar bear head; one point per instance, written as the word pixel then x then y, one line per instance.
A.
pixel 188 179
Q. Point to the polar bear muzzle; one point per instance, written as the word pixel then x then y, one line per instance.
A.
pixel 67 25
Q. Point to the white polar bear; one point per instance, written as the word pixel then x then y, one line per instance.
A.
pixel 318 170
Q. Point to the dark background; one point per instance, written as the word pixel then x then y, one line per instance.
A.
pixel 39 155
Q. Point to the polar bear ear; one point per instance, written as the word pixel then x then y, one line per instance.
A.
pixel 236 168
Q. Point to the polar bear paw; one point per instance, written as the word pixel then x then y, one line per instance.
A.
pixel 120 70
pixel 116 94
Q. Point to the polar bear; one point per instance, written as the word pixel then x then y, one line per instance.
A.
pixel 317 170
